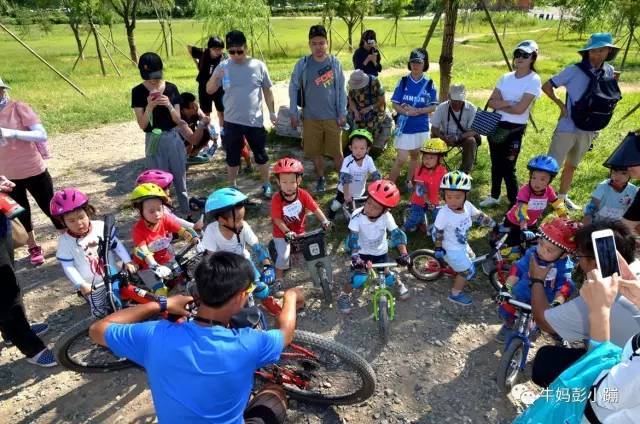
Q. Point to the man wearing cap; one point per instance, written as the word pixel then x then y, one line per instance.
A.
pixel 244 80
pixel 317 84
pixel 207 60
pixel 452 121
pixel 569 143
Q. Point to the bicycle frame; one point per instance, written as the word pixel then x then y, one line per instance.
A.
pixel 376 273
pixel 523 325
pixel 313 249
pixel 356 202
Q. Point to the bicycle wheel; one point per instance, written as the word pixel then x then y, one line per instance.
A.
pixel 424 265
pixel 77 352
pixel 494 279
pixel 509 367
pixel 383 318
pixel 326 285
pixel 315 369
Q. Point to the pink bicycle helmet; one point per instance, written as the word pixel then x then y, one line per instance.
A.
pixel 67 200
pixel 156 176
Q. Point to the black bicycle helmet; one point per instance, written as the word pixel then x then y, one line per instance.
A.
pixel 627 154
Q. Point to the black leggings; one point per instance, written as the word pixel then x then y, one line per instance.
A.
pixel 503 161
pixel 41 189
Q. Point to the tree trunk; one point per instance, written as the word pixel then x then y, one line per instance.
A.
pixel 626 50
pixel 350 25
pixel 164 37
pixel 170 34
pixel 75 27
pixel 395 37
pixel 133 50
pixel 446 54
pixel 560 23
pixel 432 28
pixel 98 50
pixel 329 30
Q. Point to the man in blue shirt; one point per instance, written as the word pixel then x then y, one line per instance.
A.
pixel 202 371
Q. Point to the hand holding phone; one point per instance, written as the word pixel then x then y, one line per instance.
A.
pixel 604 249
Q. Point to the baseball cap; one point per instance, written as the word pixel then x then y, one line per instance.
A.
pixel 215 42
pixel 235 38
pixel 417 55
pixel 528 46
pixel 457 92
pixel 317 31
pixel 150 66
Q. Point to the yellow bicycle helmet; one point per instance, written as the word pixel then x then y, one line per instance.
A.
pixel 147 191
pixel 435 146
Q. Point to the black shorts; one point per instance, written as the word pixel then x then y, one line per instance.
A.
pixel 233 142
pixel 207 101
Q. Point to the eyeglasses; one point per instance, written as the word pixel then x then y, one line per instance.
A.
pixel 250 289
pixel 519 53
pixel 236 52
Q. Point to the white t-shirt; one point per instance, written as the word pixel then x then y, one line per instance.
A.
pixel 358 174
pixel 214 241
pixel 455 226
pixel 83 252
pixel 372 235
pixel 512 90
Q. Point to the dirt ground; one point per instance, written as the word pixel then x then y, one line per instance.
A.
pixel 438 367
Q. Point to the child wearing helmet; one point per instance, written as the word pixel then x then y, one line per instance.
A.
pixel 78 247
pixel 612 197
pixel 163 179
pixel 367 240
pixel 556 243
pixel 426 182
pixel 152 235
pixel 355 169
pixel 532 201
pixel 229 232
pixel 451 227
pixel 289 211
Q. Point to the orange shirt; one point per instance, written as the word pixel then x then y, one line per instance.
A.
pixel 158 239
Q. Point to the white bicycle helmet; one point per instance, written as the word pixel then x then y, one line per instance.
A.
pixel 456 180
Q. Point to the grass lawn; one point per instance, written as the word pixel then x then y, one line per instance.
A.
pixel 478 63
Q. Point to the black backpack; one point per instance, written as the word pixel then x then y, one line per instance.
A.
pixel 594 109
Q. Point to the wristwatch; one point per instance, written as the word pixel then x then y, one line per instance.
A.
pixel 533 281
pixel 162 301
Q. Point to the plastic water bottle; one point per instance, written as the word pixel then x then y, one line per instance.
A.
pixel 226 81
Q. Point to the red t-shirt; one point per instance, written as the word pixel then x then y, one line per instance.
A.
pixel 431 180
pixel 158 240
pixel 292 213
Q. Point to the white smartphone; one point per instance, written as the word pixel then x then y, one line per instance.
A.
pixel 604 248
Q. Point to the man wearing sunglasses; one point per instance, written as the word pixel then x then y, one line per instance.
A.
pixel 202 370
pixel 244 80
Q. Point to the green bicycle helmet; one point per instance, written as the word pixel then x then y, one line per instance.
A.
pixel 363 134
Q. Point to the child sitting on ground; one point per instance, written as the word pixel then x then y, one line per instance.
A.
pixel 426 181
pixel 152 235
pixel 163 180
pixel 78 247
pixel 451 226
pixel 532 201
pixel 355 169
pixel 611 198
pixel 289 211
pixel 557 242
pixel 228 231
pixel 367 240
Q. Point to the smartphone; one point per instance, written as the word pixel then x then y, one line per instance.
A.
pixel 604 248
pixel 155 94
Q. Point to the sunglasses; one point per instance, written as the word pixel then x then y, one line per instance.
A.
pixel 250 289
pixel 577 257
pixel 235 52
pixel 519 53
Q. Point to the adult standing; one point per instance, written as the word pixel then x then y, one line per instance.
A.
pixel 318 82
pixel 452 123
pixel 156 104
pixel 366 102
pixel 513 97
pixel 207 60
pixel 22 154
pixel 244 80
pixel 414 98
pixel 13 321
pixel 569 143
pixel 367 56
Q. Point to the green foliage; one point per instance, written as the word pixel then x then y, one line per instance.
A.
pixel 395 8
pixel 220 16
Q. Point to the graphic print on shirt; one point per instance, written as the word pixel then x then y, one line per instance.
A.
pixel 90 248
pixel 325 76
pixel 291 212
pixel 159 244
pixel 461 232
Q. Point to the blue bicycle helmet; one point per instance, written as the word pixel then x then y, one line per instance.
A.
pixel 224 199
pixel 544 163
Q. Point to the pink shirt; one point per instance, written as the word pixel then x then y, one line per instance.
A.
pixel 536 204
pixel 19 159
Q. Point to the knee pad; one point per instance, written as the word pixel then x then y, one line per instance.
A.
pixel 470 273
pixel 351 242
pixel 398 237
pixel 390 279
pixel 358 279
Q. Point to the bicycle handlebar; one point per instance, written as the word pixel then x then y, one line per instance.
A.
pixel 511 301
pixel 383 265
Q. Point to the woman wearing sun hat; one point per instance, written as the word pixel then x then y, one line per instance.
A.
pixel 366 102
pixel 569 143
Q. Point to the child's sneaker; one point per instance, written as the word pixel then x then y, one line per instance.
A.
pixel 402 290
pixel 503 334
pixel 44 359
pixel 321 185
pixel 570 205
pixel 489 201
pixel 36 255
pixel 461 299
pixel 344 303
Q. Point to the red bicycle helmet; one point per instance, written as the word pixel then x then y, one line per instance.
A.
pixel 384 192
pixel 288 166
pixel 67 200
pixel 161 178
pixel 561 232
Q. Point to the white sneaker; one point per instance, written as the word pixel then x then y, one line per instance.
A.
pixel 570 205
pixel 402 290
pixel 489 201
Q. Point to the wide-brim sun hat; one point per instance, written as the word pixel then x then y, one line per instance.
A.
pixel 3 85
pixel 627 154
pixel 358 79
pixel 599 40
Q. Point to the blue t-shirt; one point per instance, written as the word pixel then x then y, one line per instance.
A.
pixel 576 82
pixel 562 281
pixel 613 204
pixel 196 374
pixel 428 97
